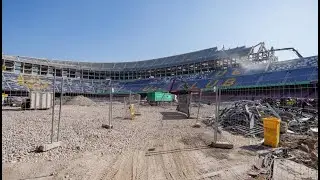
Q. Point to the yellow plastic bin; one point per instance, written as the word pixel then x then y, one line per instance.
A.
pixel 271 126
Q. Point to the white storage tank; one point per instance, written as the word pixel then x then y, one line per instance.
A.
pixel 40 100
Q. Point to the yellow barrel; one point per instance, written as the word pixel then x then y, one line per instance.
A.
pixel 271 126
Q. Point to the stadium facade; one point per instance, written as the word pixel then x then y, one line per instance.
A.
pixel 189 63
pixel 232 68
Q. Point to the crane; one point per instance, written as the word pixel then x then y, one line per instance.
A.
pixel 263 53
pixel 284 49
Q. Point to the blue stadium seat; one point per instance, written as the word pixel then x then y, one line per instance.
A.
pixel 292 71
pixel 299 75
pixel 271 78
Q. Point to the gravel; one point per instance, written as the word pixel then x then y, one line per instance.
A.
pixel 81 131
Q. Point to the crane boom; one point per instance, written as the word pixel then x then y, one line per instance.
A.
pixel 294 50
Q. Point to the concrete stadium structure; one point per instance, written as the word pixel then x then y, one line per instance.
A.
pixel 232 68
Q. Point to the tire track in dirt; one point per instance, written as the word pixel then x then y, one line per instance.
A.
pixel 155 164
pixel 168 163
pixel 182 163
pixel 88 166
pixel 122 168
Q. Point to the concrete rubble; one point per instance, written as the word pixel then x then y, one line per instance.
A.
pixel 303 148
pixel 298 128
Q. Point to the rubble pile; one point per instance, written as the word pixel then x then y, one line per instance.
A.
pixel 298 130
pixel 263 169
pixel 245 117
pixel 271 162
pixel 301 116
pixel 303 148
pixel 64 100
pixel 80 101
pixel 299 123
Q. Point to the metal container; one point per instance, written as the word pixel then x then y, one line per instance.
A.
pixel 40 100
pixel 159 97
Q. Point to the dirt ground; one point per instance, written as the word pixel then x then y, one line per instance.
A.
pixel 178 151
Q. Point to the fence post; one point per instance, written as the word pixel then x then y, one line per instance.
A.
pixel 216 116
pixel 53 103
pixel 60 108
pixel 130 97
pixel 110 106
pixel 109 125
pixel 200 98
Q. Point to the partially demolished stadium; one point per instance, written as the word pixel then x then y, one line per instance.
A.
pixel 251 82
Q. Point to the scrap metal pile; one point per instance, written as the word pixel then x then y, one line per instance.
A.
pixel 245 117
pixel 301 115
pixel 299 121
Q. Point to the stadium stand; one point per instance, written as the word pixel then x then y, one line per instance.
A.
pixel 127 78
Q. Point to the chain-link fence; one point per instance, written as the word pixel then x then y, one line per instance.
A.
pixel 42 110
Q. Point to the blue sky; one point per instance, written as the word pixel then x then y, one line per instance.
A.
pixel 131 30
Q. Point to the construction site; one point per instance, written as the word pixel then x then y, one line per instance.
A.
pixel 236 114
pixel 160 90
pixel 130 137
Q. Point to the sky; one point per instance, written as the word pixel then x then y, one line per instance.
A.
pixel 132 30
